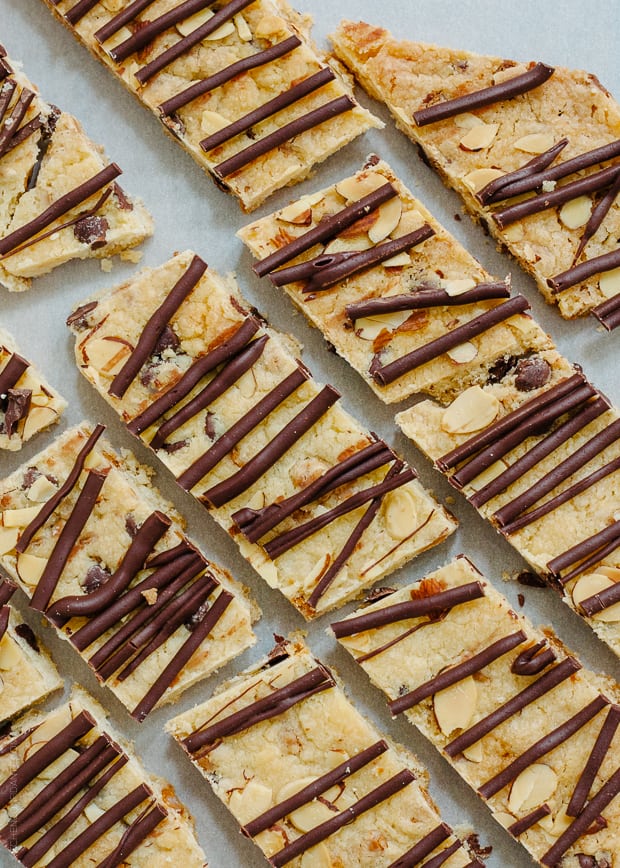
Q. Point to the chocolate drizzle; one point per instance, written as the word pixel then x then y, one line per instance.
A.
pixel 520 826
pixel 599 212
pixel 594 762
pixel 596 547
pixel 125 16
pixel 601 600
pixel 10 127
pixel 423 297
pixel 608 312
pixel 149 30
pixel 581 272
pixel 135 834
pixel 425 845
pixel 494 190
pixel 538 74
pixel 79 10
pixel 533 660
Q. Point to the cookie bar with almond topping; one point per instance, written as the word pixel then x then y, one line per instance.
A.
pixel 239 84
pixel 103 556
pixel 319 506
pixel 534 734
pixel 493 130
pixel 307 777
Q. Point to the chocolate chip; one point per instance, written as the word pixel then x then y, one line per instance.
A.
pixel 168 340
pixel 174 447
pixel 194 620
pixel 18 404
pixel 501 367
pixel 209 426
pixel 378 594
pixel 91 230
pixel 532 374
pixel 26 633
pixel 96 576
pixel 79 316
pixel 530 579
pixel 121 199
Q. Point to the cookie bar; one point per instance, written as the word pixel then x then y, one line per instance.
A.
pixel 72 793
pixel 98 551
pixel 239 84
pixel 537 451
pixel 408 307
pixel 492 129
pixel 59 199
pixel 319 506
pixel 534 734
pixel 28 404
pixel 307 777
pixel 27 675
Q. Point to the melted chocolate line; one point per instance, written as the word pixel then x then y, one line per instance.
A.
pixel 179 48
pixel 12 372
pixel 539 451
pixel 125 16
pixel 434 603
pixel 137 832
pixel 594 762
pixel 260 58
pixel 534 691
pixel 386 374
pixel 272 705
pixel 597 546
pixel 23 133
pixel 608 313
pixel 316 788
pixel 494 190
pixel 220 383
pixel 579 273
pixel 329 227
pixel 6 95
pixel 14 743
pixel 183 655
pixel 44 756
pixel 58 209
pixel 425 297
pixel 284 134
pixel 380 649
pixel 149 30
pixel 78 605
pixel 533 660
pixel 520 826
pixel 278 446
pixel 543 201
pixel 582 823
pixel 77 12
pixel 4 620
pixel 155 325
pixel 202 366
pixel 10 126
pixel 601 601
pixel 560 472
pixel 166 557
pixel 497 429
pixel 542 747
pixel 319 833
pixel 424 847
pixel 599 212
pixel 7 589
pixel 519 84
pixel 532 426
pixel 443 857
pixel 67 539
pixel 454 674
pixel 222 446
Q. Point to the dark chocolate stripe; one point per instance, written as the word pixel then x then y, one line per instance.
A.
pixel 279 445
pixel 44 756
pixel 386 374
pixel 454 674
pixel 284 134
pixel 12 372
pixel 582 823
pixel 319 833
pixel 269 706
pixel 148 30
pixel 125 16
pixel 594 762
pixel 608 312
pixel 4 620
pixel 58 209
pixel 7 89
pixel 597 546
pixel 519 84
pixel 494 190
pixel 544 201
pixel 443 857
pixel 260 58
pixel 424 297
pixel 514 705
pixel 599 212
pixel 155 325
pixel 137 832
pixel 506 423
pixel 327 228
pixel 601 600
pixel 560 472
pixel 11 125
pixel 520 826
pixel 179 48
pixel 222 446
pixel 15 742
pixel 183 655
pixel 423 848
pixel 202 366
pixel 220 383
pixel 581 272
pixel 67 539
pixel 534 659
pixel 77 12
pixel 316 788
pixel 147 537
pixel 7 589
pixel 271 107
pixel 542 747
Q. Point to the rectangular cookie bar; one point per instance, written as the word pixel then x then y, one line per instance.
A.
pixel 534 734
pixel 27 675
pixel 98 551
pixel 492 129
pixel 59 199
pixel 536 450
pixel 28 403
pixel 239 84
pixel 73 794
pixel 318 505
pixel 307 777
pixel 405 304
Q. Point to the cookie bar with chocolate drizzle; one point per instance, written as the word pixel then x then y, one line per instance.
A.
pixel 319 506
pixel 494 131
pixel 100 554
pixel 59 197
pixel 531 731
pixel 307 777
pixel 239 84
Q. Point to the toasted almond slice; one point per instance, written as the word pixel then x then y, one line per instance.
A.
pixel 479 137
pixel 40 490
pixel 370 327
pixel 309 815
pixel 488 474
pixel 399 261
pixel 19 517
pixel 514 232
pixel 8 539
pixel 343 245
pixel 107 354
pixel 556 824
pixel 401 515
pixel 194 21
pixel 458 286
pixel 211 122
pixel 463 353
pixel 475 753
pixel 10 653
pixel 534 143
pixel 245 34
pixel 471 411
pixel 591 584
pixel 387 220
pixel 455 706
pixel 467 121
pixel 504 818
pixel 30 568
pixel 298 213
pixel 479 178
pixel 508 73
pixel 577 212
pixel 612 573
pixel 532 787
pixel 609 283
pixel 254 799
pixel 227 29
pixel 358 186
pixel 317 857
pixel 92 812
pixel 38 418
pixel 271 25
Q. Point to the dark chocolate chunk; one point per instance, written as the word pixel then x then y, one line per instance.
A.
pixel 92 230
pixel 10 375
pixel 532 373
pixel 17 408
pixel 533 660
pixel 96 576
pixel 25 632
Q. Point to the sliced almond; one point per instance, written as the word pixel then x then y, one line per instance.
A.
pixel 532 787
pixel 113 5
pixel 197 20
pixel 609 283
pixel 317 857
pixel 298 213
pixel 20 517
pixel 245 34
pixel 463 353
pixel 227 29
pixel 40 490
pixel 458 286
pixel 254 799
pixel 8 539
pixel 399 261
pixel 591 584
pixel 107 354
pixel 30 568
pixel 401 515
pixel 348 243
pixel 475 753
pixel 514 232
pixel 92 812
pixel 479 178
pixel 509 72
pixel 358 186
pixel 309 815
pixel 247 385
pixel 577 212
pixel 471 411
pixel 455 706
pixel 370 327
pixel 612 573
pixel 387 220
pixel 467 121
pixel 534 143
pixel 270 25
pixel 488 474
pixel 479 137
pixel 10 653
pixel 38 418
pixel 556 824
pixel 504 818
pixel 211 122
